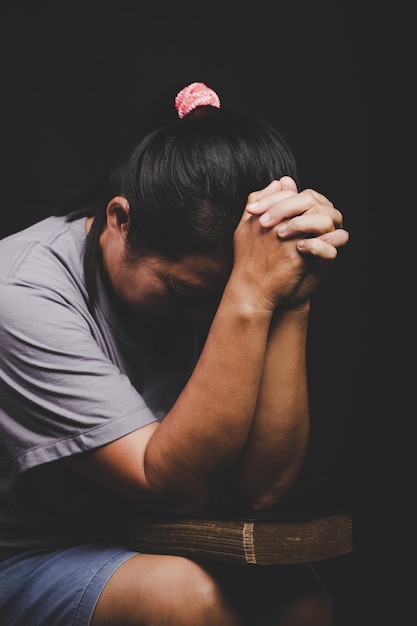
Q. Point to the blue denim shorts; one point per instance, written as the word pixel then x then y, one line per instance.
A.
pixel 56 588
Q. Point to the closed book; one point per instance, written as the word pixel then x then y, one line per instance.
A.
pixel 270 541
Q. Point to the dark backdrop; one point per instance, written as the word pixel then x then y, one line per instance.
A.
pixel 75 73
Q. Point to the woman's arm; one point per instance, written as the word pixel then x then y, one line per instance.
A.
pixel 278 440
pixel 180 463
pixel 279 437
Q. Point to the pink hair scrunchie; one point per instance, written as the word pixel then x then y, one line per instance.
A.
pixel 195 95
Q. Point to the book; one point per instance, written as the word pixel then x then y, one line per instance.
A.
pixel 270 541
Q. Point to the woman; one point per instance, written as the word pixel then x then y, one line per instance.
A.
pixel 154 357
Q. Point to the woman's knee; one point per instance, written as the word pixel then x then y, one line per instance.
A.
pixel 169 590
pixel 205 597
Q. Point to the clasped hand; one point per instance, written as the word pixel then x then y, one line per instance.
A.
pixel 286 242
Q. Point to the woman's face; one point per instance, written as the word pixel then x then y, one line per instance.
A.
pixel 159 290
pixel 155 289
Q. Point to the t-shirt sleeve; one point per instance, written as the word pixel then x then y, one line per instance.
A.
pixel 61 394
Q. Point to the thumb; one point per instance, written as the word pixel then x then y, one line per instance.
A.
pixel 288 184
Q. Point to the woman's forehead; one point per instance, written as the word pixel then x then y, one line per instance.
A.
pixel 196 269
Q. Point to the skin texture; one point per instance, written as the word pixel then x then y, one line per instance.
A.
pixel 243 415
pixel 172 591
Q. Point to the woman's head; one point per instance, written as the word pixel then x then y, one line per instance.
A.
pixel 187 181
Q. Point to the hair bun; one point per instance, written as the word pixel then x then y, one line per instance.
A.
pixel 193 96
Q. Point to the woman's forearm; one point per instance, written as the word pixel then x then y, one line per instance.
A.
pixel 279 434
pixel 205 432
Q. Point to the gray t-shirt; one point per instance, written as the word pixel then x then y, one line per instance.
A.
pixel 71 380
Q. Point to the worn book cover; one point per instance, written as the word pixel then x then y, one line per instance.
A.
pixel 253 541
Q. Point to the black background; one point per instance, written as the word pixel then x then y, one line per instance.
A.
pixel 74 74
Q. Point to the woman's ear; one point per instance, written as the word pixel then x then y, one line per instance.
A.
pixel 118 215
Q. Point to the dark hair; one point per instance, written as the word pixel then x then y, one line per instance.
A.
pixel 187 183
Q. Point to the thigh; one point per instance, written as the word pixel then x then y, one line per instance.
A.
pixel 164 590
pixel 107 585
pixel 173 591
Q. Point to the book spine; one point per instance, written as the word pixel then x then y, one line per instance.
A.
pixel 248 542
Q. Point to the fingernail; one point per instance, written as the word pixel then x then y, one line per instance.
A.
pixel 282 229
pixel 252 205
pixel 265 218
